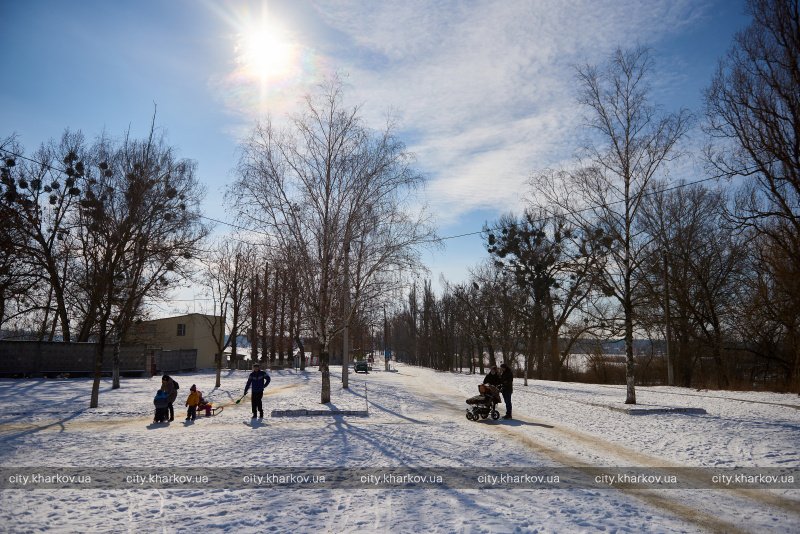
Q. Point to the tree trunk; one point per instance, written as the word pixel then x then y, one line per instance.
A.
pixel 254 319
pixel 264 314
pixel 555 355
pixel 282 349
pixel 61 306
pixel 115 364
pixel 98 366
pixel 234 331
pixel 722 375
pixel 302 352
pixel 668 324
pixel 630 369
pixel 291 330
pixel 326 375
pixel 46 319
pixel 492 359
pixel 62 314
pixel 218 365
pixel 273 333
pixel 3 307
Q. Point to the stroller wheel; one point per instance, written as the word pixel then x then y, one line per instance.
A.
pixel 495 415
pixel 469 416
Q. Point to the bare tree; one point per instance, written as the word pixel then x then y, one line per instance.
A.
pixel 702 259
pixel 228 268
pixel 631 145
pixel 324 184
pixel 753 111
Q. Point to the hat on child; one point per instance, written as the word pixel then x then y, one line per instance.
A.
pixel 193 387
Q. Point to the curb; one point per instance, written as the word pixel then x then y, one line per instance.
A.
pixel 304 413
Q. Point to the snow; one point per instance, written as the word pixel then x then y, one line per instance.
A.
pixel 416 418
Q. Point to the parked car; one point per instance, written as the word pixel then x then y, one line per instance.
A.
pixel 361 366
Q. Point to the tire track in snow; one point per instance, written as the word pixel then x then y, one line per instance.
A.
pixel 592 443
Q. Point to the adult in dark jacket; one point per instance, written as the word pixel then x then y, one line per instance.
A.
pixel 259 380
pixel 493 378
pixel 507 379
pixel 171 387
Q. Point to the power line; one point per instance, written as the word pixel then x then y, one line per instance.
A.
pixel 743 172
pixel 236 226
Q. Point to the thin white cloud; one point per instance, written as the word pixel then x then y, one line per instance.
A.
pixel 485 90
pixel 488 87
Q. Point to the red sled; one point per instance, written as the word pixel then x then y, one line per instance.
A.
pixel 209 409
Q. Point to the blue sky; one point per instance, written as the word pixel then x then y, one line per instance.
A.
pixel 484 90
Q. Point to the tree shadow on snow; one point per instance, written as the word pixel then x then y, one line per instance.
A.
pixel 38 428
pixel 44 405
pixel 373 404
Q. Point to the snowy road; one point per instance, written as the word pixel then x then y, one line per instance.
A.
pixel 416 419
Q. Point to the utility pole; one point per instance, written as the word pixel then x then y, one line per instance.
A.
pixel 346 331
pixel 254 318
pixel 667 318
pixel 385 340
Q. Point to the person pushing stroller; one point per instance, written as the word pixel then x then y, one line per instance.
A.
pixel 494 382
pixel 485 404
pixel 493 377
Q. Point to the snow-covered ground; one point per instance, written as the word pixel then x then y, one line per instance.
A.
pixel 416 419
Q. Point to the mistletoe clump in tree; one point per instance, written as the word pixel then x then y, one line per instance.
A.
pixel 551 261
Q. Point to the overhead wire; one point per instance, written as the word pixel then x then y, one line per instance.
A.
pixel 742 172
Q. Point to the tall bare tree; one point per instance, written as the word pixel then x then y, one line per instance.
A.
pixel 631 144
pixel 228 268
pixel 324 183
pixel 702 259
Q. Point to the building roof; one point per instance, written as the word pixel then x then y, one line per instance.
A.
pixel 179 316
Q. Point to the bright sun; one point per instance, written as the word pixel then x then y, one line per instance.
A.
pixel 266 52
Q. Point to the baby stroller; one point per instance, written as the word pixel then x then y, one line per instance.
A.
pixel 161 402
pixel 485 404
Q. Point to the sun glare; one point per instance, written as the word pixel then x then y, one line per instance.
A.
pixel 267 52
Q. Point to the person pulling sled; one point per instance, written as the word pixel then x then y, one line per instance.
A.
pixel 259 380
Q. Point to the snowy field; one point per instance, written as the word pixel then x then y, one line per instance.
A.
pixel 416 419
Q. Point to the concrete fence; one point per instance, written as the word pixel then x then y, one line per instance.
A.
pixel 38 358
pixel 26 358
pixel 175 361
